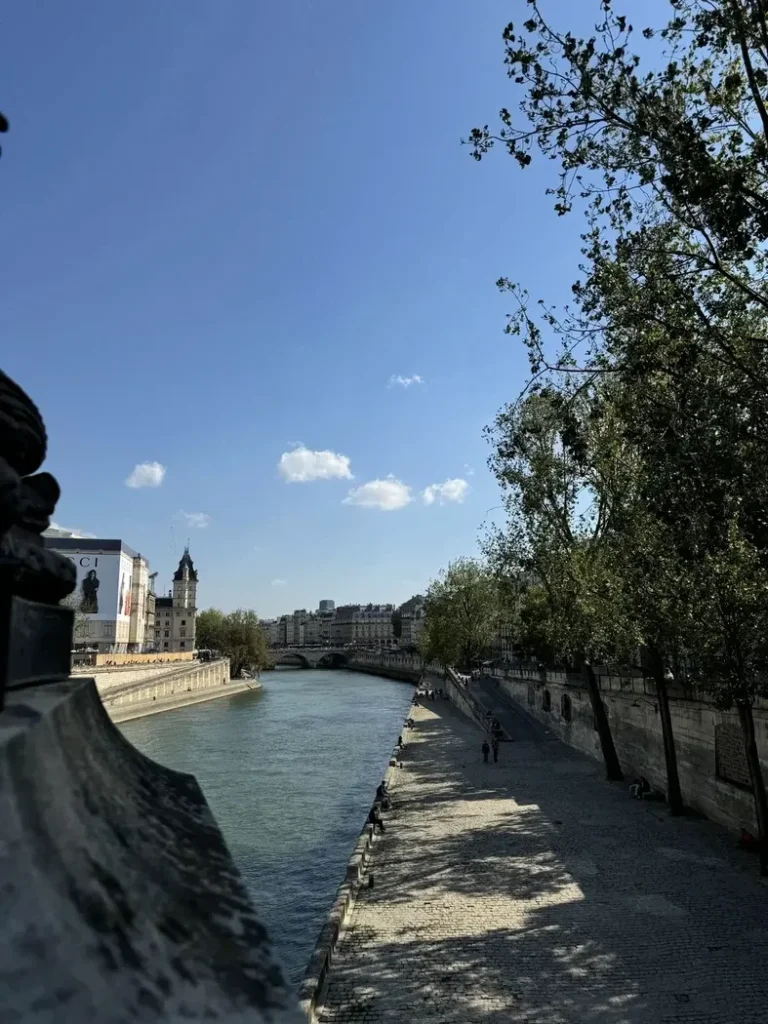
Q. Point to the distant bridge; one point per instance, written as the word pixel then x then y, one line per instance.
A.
pixel 311 657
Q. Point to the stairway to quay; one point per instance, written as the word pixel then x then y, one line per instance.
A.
pixel 533 891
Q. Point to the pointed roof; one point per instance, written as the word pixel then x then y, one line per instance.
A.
pixel 186 563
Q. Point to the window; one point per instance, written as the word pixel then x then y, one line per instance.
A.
pixel 166 633
pixel 182 644
pixel 165 646
pixel 183 622
pixel 157 632
pixel 546 701
pixel 182 632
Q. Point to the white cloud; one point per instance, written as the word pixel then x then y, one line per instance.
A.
pixel 451 490
pixel 56 530
pixel 468 469
pixel 197 520
pixel 146 474
pixel 389 495
pixel 404 382
pixel 279 583
pixel 302 465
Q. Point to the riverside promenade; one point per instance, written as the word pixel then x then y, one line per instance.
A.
pixel 533 891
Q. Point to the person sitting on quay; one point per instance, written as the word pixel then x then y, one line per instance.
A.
pixel 374 818
pixel 382 796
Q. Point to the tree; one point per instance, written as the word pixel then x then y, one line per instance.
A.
pixel 210 630
pixel 462 614
pixel 563 471
pixel 672 168
pixel 397 623
pixel 236 635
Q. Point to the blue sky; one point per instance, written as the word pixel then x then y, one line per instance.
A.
pixel 226 227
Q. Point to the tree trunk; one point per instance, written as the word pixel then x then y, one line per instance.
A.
pixel 613 770
pixel 758 783
pixel 674 795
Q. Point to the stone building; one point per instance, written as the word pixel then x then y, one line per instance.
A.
pixel 175 614
pixel 412 618
pixel 364 624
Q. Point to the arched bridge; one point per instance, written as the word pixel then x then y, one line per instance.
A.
pixel 311 657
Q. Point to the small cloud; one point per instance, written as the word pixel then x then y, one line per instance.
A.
pixel 404 382
pixel 197 520
pixel 388 495
pixel 57 530
pixel 302 465
pixel 468 469
pixel 146 474
pixel 451 490
pixel 279 583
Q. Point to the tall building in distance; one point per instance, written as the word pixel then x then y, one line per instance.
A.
pixel 175 615
pixel 325 607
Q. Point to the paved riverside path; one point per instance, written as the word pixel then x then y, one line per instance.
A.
pixel 533 891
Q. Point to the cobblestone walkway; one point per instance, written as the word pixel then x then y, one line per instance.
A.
pixel 533 891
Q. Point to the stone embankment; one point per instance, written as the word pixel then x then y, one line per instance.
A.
pixel 315 979
pixel 714 775
pixel 120 901
pixel 133 692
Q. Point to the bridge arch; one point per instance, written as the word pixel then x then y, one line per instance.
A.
pixel 291 659
pixel 334 659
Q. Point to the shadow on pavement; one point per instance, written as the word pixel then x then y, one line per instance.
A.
pixel 534 891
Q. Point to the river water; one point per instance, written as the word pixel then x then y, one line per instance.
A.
pixel 290 774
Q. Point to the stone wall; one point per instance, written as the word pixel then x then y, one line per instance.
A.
pixel 166 691
pixel 97 660
pixel 710 753
pixel 462 698
pixel 120 901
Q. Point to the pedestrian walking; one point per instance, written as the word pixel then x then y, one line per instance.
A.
pixel 486 751
pixel 495 745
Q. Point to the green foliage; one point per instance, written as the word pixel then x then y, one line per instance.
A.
pixel 665 346
pixel 237 635
pixel 397 623
pixel 462 613
pixel 647 408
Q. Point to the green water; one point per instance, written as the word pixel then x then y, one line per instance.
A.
pixel 290 774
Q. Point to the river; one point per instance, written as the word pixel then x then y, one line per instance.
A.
pixel 290 774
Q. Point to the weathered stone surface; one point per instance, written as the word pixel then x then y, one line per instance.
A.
pixel 533 892
pixel 119 901
pixel 633 712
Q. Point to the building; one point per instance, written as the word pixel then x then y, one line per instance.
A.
pixel 364 625
pixel 175 615
pixel 326 606
pixel 412 618
pixel 110 599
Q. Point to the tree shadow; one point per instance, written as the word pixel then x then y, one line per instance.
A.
pixel 534 891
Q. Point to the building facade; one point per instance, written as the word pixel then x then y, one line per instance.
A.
pixel 413 618
pixel 110 599
pixel 176 614
pixel 362 625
